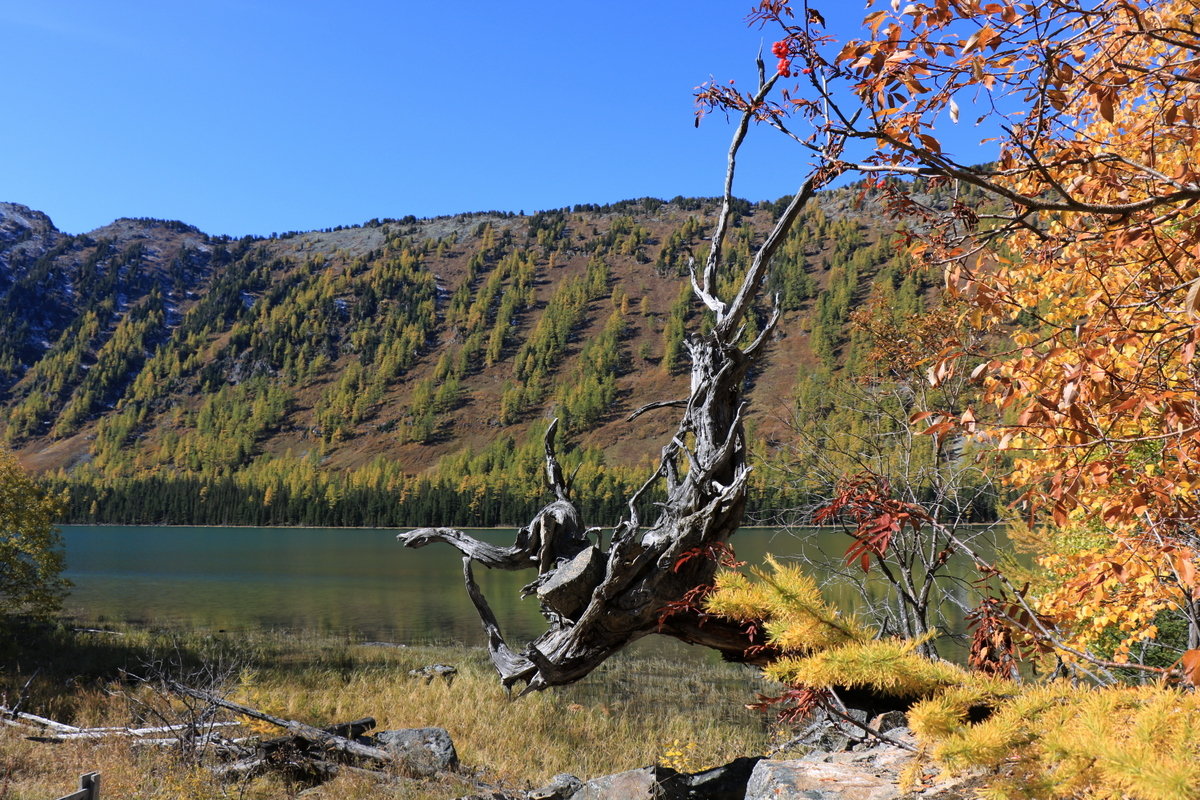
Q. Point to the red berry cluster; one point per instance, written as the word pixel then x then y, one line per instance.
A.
pixel 780 51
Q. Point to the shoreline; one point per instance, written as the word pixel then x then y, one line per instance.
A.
pixel 402 528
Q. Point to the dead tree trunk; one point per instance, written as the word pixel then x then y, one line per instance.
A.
pixel 595 601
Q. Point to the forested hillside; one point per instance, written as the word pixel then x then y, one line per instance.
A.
pixel 402 372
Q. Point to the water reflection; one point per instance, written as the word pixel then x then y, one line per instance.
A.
pixel 358 582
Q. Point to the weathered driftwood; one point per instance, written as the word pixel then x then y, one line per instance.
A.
pixel 321 738
pixel 596 601
pixel 140 733
pixel 24 719
pixel 294 753
pixel 54 731
pixel 210 742
pixel 347 730
pixel 313 768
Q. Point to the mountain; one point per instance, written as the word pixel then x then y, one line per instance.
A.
pixel 148 354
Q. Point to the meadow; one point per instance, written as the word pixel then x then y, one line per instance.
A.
pixel 638 709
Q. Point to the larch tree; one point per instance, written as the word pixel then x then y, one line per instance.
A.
pixel 31 557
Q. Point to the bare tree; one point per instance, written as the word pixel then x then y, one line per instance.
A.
pixel 924 581
pixel 862 442
pixel 597 600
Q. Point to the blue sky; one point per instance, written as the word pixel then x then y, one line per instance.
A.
pixel 249 117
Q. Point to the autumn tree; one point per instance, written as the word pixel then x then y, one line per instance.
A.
pixel 31 557
pixel 1085 253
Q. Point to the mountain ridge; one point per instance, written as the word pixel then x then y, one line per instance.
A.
pixel 148 347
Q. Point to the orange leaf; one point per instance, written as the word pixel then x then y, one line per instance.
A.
pixel 1185 566
pixel 1190 664
pixel 1191 303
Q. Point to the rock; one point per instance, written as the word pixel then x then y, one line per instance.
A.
pixel 892 759
pixel 561 787
pixel 727 782
pixel 889 721
pixel 833 741
pixel 431 671
pixel 814 780
pixel 635 784
pixel 421 752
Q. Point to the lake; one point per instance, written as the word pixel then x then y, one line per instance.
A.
pixel 360 582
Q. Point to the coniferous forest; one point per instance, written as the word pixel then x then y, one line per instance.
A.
pixel 403 372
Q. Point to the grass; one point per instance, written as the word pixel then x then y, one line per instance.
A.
pixel 638 709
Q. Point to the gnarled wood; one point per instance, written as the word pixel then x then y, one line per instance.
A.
pixel 597 602
pixel 316 736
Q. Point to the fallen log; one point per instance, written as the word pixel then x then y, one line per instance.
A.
pixel 311 768
pixel 140 733
pixel 229 748
pixel 13 723
pixel 316 769
pixel 42 721
pixel 347 730
pixel 317 736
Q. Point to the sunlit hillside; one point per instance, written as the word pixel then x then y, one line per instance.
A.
pixel 147 353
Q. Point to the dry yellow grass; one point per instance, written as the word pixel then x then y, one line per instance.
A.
pixel 630 714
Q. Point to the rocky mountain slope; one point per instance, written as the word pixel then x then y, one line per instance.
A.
pixel 148 347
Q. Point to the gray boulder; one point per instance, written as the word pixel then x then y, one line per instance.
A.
pixel 421 752
pixel 561 787
pixel 815 780
pixel 634 784
pixel 727 782
pixel 444 671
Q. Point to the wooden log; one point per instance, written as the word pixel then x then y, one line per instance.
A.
pixel 568 588
pixel 14 723
pixel 98 630
pixel 45 723
pixel 348 730
pixel 223 748
pixel 315 768
pixel 139 733
pixel 727 636
pixel 323 739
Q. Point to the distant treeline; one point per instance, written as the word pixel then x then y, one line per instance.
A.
pixel 500 486
pixel 226 501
